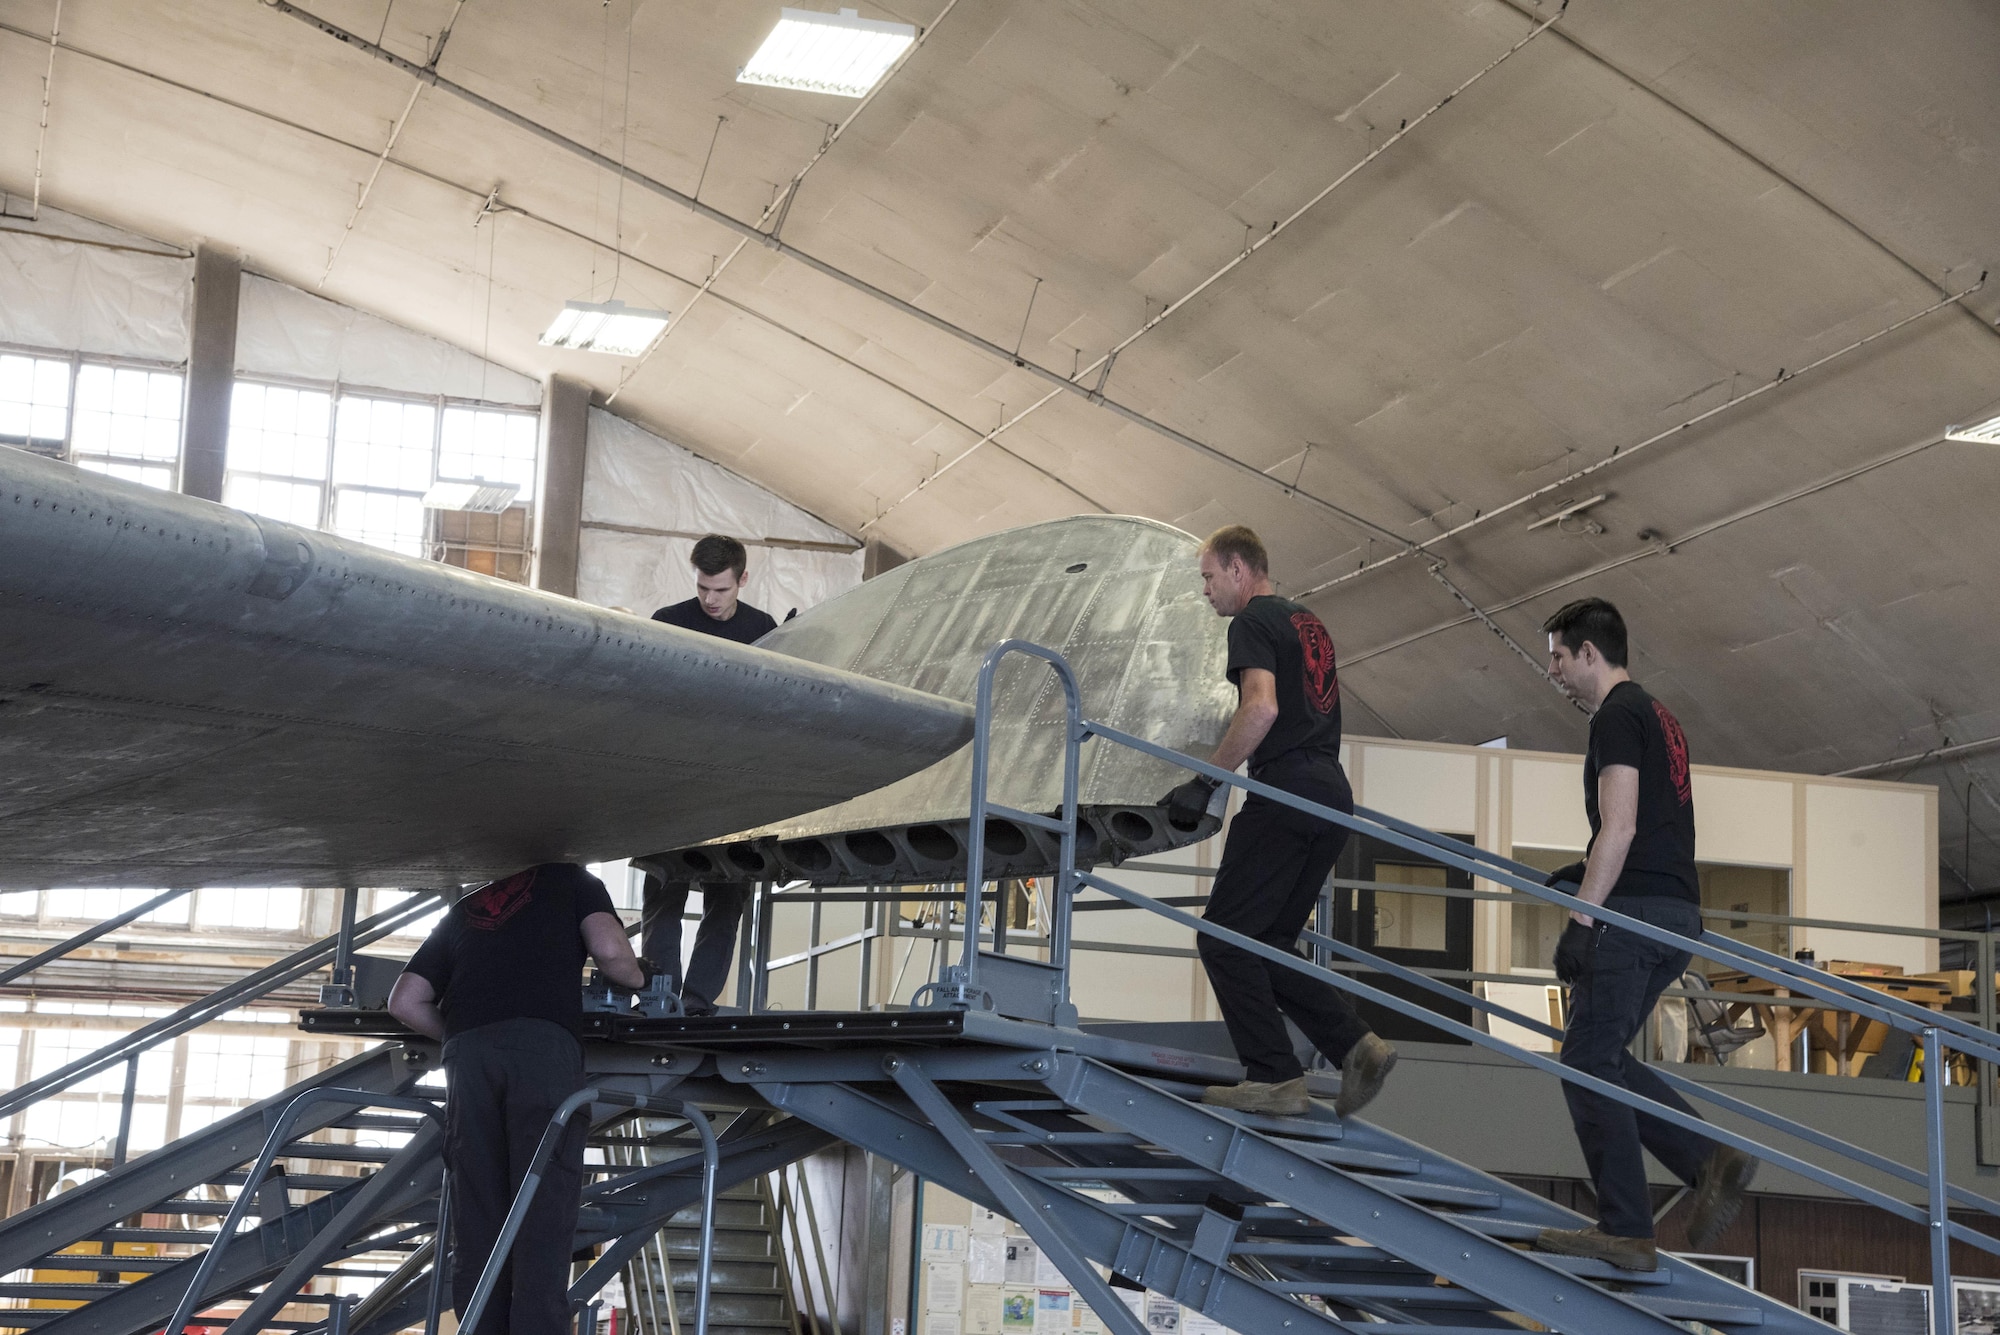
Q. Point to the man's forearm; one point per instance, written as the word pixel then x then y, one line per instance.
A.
pixel 426 1019
pixel 1247 730
pixel 1601 872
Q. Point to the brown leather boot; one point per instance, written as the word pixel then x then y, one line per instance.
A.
pixel 1625 1253
pixel 1718 1194
pixel 1286 1098
pixel 1362 1071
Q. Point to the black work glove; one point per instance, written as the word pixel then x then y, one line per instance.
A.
pixel 648 971
pixel 1573 873
pixel 1187 804
pixel 1573 952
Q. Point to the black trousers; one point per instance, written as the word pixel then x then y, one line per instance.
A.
pixel 504 1081
pixel 714 941
pixel 1274 864
pixel 1607 1006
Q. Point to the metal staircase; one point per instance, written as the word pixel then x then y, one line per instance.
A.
pixel 1094 1142
pixel 1264 1224
pixel 361 1236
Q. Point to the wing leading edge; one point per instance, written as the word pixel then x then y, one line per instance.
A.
pixel 193 695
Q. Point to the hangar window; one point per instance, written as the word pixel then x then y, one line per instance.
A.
pixel 34 402
pixel 276 463
pixel 363 463
pixel 128 423
pixel 119 418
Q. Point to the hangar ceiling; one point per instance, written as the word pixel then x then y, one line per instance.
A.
pixel 1646 211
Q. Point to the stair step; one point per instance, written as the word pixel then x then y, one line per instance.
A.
pixel 1586 1267
pixel 1709 1314
pixel 329 1152
pixel 130 1265
pixel 295 1181
pixel 1372 1161
pixel 1440 1193
pixel 1500 1226
pixel 369 1121
pixel 83 1292
pixel 193 1235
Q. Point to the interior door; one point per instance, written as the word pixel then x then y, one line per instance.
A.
pixel 1417 930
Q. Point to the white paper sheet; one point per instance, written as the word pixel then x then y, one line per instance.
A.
pixel 986 1259
pixel 944 1286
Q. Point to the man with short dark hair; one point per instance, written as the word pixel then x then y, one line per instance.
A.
pixel 1276 859
pixel 500 980
pixel 1639 796
pixel 720 568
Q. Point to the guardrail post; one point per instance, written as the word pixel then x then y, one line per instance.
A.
pixel 1937 1070
pixel 1986 1077
pixel 339 991
pixel 959 984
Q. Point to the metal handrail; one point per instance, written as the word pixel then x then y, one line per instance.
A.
pixel 1451 852
pixel 91 933
pixel 1937 1033
pixel 197 1013
pixel 246 1195
pixel 961 985
pixel 711 1166
pixel 1817 983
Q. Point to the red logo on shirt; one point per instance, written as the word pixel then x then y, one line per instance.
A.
pixel 1677 753
pixel 492 904
pixel 1316 652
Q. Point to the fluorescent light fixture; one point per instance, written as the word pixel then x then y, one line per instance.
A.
pixel 843 54
pixel 1986 433
pixel 611 326
pixel 486 497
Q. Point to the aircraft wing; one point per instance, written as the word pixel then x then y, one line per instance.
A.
pixel 1119 596
pixel 194 695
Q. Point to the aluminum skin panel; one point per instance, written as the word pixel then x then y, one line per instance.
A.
pixel 1120 597
pixel 193 695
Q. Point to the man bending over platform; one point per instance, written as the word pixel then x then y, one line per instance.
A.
pixel 1276 859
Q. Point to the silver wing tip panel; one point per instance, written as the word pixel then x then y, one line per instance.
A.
pixel 184 686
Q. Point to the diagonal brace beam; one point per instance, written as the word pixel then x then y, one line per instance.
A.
pixel 909 1076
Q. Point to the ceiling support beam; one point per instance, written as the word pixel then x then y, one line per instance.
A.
pixel 1663 547
pixel 211 371
pixel 1957 751
pixel 482 194
pixel 559 495
pixel 1102 366
pixel 825 269
pixel 1784 377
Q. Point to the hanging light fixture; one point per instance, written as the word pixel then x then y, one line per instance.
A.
pixel 842 54
pixel 607 326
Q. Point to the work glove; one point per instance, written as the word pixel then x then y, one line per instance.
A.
pixel 1573 873
pixel 1573 953
pixel 648 971
pixel 1187 804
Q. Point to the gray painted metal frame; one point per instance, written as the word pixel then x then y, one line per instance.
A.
pixel 1936 1032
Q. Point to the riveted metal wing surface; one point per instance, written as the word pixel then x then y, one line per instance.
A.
pixel 192 695
pixel 1119 596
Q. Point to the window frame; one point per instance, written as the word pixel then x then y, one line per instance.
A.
pixel 77 360
pixel 336 390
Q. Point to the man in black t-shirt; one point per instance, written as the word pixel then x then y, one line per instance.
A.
pixel 720 567
pixel 1639 796
pixel 500 980
pixel 1276 859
